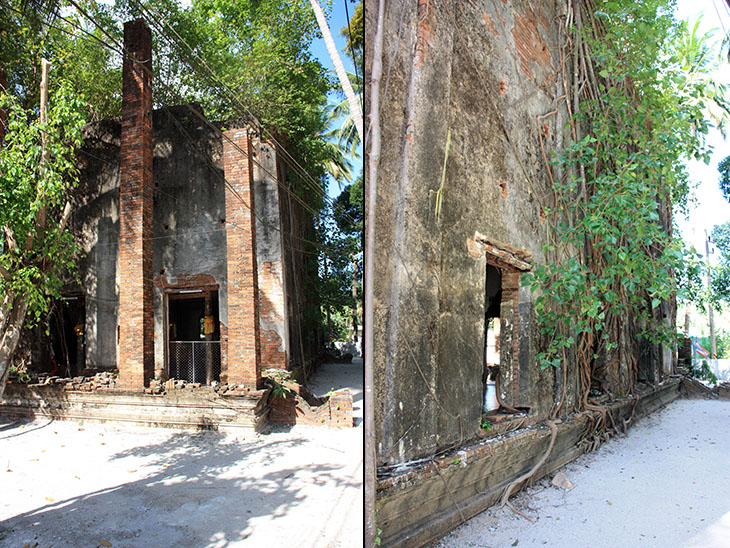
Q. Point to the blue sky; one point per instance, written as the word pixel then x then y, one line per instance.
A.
pixel 337 19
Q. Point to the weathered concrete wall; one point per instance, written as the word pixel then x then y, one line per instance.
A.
pixel 300 262
pixel 96 224
pixel 189 227
pixel 483 77
pixel 271 259
pixel 189 232
pixel 425 501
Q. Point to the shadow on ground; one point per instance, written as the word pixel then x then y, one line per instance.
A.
pixel 203 490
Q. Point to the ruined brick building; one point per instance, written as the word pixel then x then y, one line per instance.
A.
pixel 472 106
pixel 192 264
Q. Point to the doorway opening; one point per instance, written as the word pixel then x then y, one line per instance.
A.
pixel 67 341
pixel 493 301
pixel 194 351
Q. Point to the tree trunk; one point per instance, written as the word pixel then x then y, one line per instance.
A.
pixel 14 320
pixel 339 68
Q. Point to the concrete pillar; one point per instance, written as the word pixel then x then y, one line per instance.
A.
pixel 273 325
pixel 136 327
pixel 244 352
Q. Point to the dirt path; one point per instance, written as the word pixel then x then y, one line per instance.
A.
pixel 665 485
pixel 70 485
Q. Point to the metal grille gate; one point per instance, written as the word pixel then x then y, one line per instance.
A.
pixel 189 359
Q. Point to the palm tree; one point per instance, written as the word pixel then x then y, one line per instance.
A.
pixel 694 55
pixel 341 137
pixel 339 67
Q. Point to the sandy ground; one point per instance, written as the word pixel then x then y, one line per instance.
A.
pixel 73 485
pixel 666 485
pixel 341 375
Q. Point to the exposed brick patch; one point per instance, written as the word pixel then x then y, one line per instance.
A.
pixel 136 327
pixel 183 281
pixel 503 188
pixel 423 31
pixel 243 363
pixel 489 23
pixel 502 91
pixel 530 46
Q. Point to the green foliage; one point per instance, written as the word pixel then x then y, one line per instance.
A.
pixel 720 273
pixel 703 371
pixel 355 34
pixel 724 168
pixel 341 232
pixel 609 253
pixel 341 137
pixel 30 31
pixel 485 423
pixel 19 373
pixel 697 61
pixel 277 380
pixel 28 185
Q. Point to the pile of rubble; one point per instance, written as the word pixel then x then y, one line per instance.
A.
pixel 222 389
pixel 100 381
pixel 107 380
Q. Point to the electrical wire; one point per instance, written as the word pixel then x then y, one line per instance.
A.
pixel 212 126
pixel 287 157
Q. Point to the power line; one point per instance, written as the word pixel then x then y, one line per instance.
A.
pixel 121 50
pixel 286 156
pixel 304 175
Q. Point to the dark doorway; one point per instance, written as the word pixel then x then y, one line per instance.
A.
pixel 194 352
pixel 67 341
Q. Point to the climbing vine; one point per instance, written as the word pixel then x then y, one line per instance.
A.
pixel 611 257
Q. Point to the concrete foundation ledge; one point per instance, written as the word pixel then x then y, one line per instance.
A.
pixel 423 502
pixel 197 410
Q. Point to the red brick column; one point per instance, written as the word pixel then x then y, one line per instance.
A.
pixel 244 351
pixel 136 329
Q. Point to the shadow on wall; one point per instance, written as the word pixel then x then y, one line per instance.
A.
pixel 208 491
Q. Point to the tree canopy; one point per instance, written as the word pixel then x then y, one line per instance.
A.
pixel 246 59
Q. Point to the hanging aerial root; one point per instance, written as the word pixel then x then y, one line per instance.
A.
pixel 508 491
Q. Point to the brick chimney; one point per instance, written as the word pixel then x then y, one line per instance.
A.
pixel 244 351
pixel 136 328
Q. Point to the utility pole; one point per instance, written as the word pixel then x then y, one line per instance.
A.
pixel 713 348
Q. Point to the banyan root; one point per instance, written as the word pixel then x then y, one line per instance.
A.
pixel 528 475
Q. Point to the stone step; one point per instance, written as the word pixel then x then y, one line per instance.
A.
pixel 172 410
